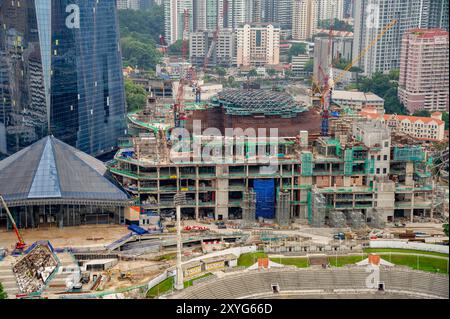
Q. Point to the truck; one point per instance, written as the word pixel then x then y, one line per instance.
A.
pixel 339 236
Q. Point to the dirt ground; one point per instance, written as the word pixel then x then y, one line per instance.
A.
pixel 85 236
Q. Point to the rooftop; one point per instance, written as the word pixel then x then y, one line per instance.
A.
pixel 50 170
pixel 356 96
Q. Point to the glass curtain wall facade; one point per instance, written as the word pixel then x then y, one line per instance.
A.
pixel 60 73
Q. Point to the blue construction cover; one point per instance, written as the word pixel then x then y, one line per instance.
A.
pixel 265 198
pixel 138 230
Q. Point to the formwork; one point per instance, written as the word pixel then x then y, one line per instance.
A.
pixel 348 162
pixel 357 219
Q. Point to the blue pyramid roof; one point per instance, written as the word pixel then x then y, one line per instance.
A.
pixel 52 170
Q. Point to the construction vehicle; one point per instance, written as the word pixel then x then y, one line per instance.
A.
pixel 20 245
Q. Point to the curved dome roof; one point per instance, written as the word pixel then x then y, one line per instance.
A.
pixel 254 102
pixel 54 171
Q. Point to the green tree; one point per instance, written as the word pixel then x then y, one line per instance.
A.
pixel 445 226
pixel 309 66
pixel 422 113
pixel 338 25
pixel 3 294
pixel 445 119
pixel 252 73
pixel 137 53
pixel 296 49
pixel 176 48
pixel 221 72
pixel 382 85
pixel 271 72
pixel 394 75
pixel 148 23
pixel 136 96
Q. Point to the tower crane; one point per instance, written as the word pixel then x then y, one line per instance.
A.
pixel 20 245
pixel 329 80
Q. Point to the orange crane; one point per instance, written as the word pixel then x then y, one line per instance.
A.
pixel 20 245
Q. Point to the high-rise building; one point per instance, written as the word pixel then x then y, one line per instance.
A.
pixel 199 11
pixel 278 11
pixel 304 19
pixel 60 74
pixel 134 4
pixel 174 18
pixel 222 53
pixel 424 67
pixel 258 45
pixel 330 9
pixel 372 16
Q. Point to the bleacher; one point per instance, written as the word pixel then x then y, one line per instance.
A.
pixel 248 284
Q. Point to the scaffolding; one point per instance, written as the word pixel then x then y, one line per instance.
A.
pixel 318 209
pixel 244 102
pixel 283 208
pixel 307 167
pixel 348 162
pixel 249 206
pixel 357 219
pixel 409 154
pixel 337 219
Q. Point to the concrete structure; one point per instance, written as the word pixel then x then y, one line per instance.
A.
pixel 371 17
pixel 304 19
pixel 298 65
pixel 258 45
pixel 421 128
pixel 424 70
pixel 223 51
pixel 357 101
pixel 358 175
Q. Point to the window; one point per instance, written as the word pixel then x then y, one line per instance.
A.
pixel 378 171
pixel 384 170
pixel 385 157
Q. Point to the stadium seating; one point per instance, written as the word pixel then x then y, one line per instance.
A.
pixel 350 278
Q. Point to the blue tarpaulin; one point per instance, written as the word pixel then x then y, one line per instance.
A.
pixel 265 198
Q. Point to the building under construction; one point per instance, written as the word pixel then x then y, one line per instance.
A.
pixel 359 175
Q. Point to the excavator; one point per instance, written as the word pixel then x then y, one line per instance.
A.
pixel 20 245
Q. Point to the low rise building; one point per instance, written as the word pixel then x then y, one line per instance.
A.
pixel 357 101
pixel 421 128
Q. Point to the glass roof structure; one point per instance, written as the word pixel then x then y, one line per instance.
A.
pixel 52 171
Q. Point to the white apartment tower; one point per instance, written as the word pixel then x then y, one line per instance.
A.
pixel 330 9
pixel 304 19
pixel 258 45
pixel 174 19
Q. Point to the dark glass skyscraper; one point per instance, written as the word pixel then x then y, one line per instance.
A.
pixel 60 73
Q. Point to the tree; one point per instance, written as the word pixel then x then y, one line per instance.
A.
pixel 296 49
pixel 445 226
pixel 136 96
pixel 253 73
pixel 382 85
pixel 271 72
pixel 3 294
pixel 394 75
pixel 137 53
pixel 148 23
pixel 422 113
pixel 221 72
pixel 445 119
pixel 338 25
pixel 176 48
pixel 309 66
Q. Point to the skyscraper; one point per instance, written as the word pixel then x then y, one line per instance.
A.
pixel 304 19
pixel 424 67
pixel 278 11
pixel 371 16
pixel 174 19
pixel 60 73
